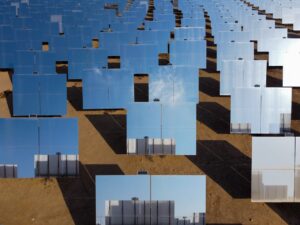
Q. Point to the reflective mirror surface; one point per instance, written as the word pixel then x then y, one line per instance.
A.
pixel 160 199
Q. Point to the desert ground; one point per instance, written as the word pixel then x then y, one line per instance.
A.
pixel 223 157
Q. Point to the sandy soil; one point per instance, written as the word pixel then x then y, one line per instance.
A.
pixel 223 157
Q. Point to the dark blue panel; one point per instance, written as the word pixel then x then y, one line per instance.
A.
pixel 23 34
pixel 60 46
pixel 144 119
pixel 6 33
pixel 24 10
pixel 87 34
pixel 159 25
pixel 83 59
pixel 39 95
pixel 46 62
pixel 25 62
pixel 58 135
pixel 23 159
pixel 127 27
pixel 112 41
pixel 25 95
pixel 24 58
pixel 22 22
pixel 5 17
pixel 35 62
pixel 28 45
pixel 139 57
pixel 7 54
pixel 58 42
pixel 21 139
pixel 53 95
pixel 75 41
pixel 106 89
pixel 159 38
pixel 18 144
pixel 18 135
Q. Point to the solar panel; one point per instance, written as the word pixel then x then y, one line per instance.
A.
pixel 242 73
pixel 145 192
pixel 26 40
pixel 22 139
pixel 261 110
pixel 188 53
pixel 58 155
pixel 159 25
pixel 266 45
pixel 193 22
pixel 276 110
pixel 82 59
pixel 58 135
pixel 255 25
pixel 194 10
pixel 133 16
pixel 167 121
pixel 25 62
pixel 189 33
pixel 26 95
pixel 135 186
pixel 60 45
pixel 39 95
pixel 229 36
pixel 179 123
pixel 35 62
pixel 161 184
pixel 138 120
pixel 283 52
pixel 75 41
pixel 170 84
pixel 174 84
pixel 164 16
pixel 273 164
pixel 7 55
pixel 18 135
pixel 159 38
pixel 6 33
pixel 139 58
pixel 18 144
pixel 46 62
pixel 87 33
pixel 107 89
pixel 224 26
pixel 234 51
pixel 112 41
